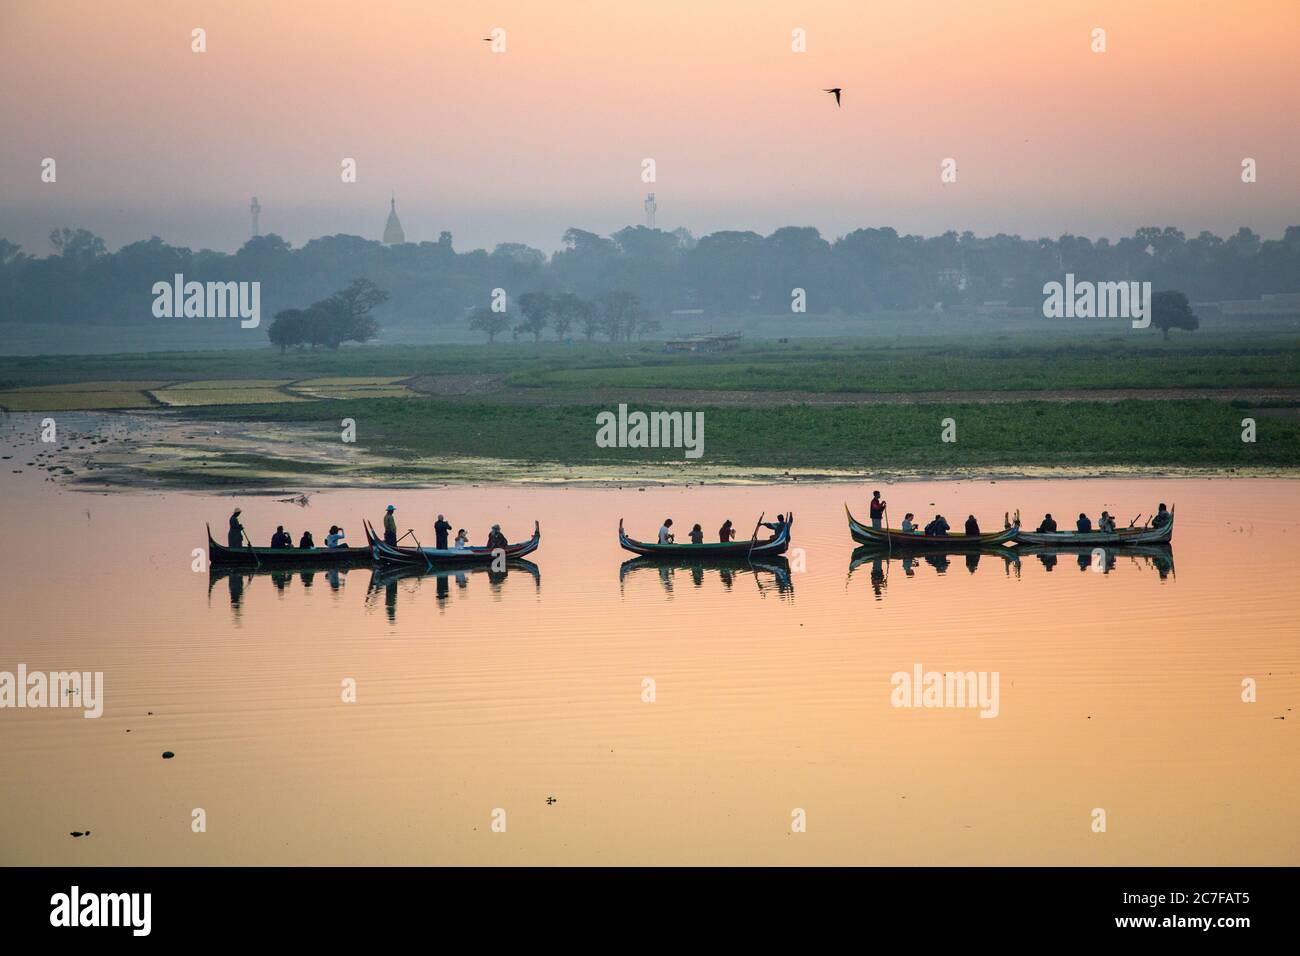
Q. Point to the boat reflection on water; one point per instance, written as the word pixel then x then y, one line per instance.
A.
pixel 238 579
pixel 388 580
pixel 881 561
pixel 1157 556
pixel 772 574
pixel 1160 557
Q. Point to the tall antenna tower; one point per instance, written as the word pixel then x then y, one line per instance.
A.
pixel 256 209
pixel 650 208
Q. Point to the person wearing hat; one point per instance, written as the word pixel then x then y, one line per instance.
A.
pixel 496 539
pixel 390 527
pixel 235 539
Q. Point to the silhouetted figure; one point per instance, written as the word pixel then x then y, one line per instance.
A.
pixel 235 538
pixel 726 532
pixel 441 528
pixel 1048 525
pixel 972 526
pixel 281 538
pixel 1084 523
pixel 390 527
pixel 877 509
pixel 306 541
pixel 1162 517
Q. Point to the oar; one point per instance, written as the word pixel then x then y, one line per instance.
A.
pixel 250 546
pixel 427 563
pixel 754 540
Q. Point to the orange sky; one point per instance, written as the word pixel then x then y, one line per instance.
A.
pixel 1049 137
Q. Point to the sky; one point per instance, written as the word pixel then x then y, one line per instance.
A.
pixel 151 138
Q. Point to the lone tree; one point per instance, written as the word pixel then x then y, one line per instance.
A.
pixel 489 322
pixel 341 317
pixel 1171 310
pixel 536 307
pixel 288 328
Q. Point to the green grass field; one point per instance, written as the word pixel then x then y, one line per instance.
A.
pixel 1039 360
pixel 516 418
pixel 1166 433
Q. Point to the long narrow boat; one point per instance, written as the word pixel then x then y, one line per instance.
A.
pixel 743 550
pixel 448 557
pixel 306 558
pixel 1119 538
pixel 898 540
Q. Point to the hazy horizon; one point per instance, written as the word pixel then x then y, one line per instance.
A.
pixel 1049 137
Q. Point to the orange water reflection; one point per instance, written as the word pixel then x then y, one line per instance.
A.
pixel 1120 687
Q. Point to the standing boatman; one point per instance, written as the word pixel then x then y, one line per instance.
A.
pixel 390 527
pixel 877 509
pixel 441 528
pixel 235 538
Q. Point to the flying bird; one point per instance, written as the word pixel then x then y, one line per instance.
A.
pixel 836 91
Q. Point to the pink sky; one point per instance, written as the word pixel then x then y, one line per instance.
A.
pixel 1048 136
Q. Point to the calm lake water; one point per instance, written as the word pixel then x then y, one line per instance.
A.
pixel 1119 689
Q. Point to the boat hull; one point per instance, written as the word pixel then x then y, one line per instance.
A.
pixel 742 551
pixel 1124 537
pixel 306 558
pixel 898 540
pixel 448 557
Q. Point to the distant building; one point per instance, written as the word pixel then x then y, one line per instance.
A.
pixel 711 342
pixel 393 234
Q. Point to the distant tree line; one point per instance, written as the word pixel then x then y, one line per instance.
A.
pixel 616 315
pixel 726 273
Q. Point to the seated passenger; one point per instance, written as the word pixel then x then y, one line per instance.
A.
pixel 726 533
pixel 306 541
pixel 281 538
pixel 909 526
pixel 1162 517
pixel 495 538
pixel 1048 525
pixel 1084 524
pixel 697 535
pixel 335 538
pixel 972 526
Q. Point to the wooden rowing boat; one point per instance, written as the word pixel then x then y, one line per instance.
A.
pixel 743 550
pixel 1123 537
pixel 448 557
pixel 899 540
pixel 306 558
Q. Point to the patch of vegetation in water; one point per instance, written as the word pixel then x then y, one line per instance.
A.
pixel 1196 432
